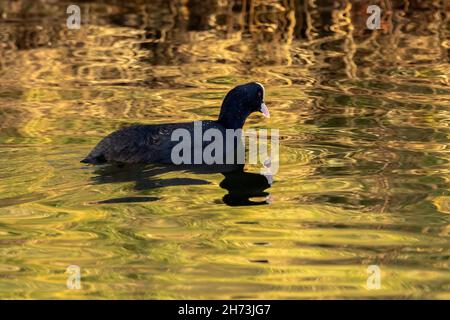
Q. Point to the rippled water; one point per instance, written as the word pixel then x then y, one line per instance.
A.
pixel 363 180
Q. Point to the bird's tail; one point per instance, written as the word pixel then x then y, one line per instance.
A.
pixel 94 160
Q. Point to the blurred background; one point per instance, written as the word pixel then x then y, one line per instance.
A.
pixel 363 117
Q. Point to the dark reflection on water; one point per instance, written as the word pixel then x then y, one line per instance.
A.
pixel 241 185
pixel 144 177
pixel 363 119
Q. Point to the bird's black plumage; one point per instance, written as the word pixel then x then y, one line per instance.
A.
pixel 153 144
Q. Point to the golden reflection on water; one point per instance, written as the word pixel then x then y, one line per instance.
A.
pixel 363 116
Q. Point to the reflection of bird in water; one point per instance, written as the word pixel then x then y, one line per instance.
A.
pixel 241 185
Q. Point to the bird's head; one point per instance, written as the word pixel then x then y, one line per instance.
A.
pixel 240 102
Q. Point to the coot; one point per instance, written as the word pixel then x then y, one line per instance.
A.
pixel 153 143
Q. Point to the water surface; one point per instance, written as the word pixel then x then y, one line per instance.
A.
pixel 363 180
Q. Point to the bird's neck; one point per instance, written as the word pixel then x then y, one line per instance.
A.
pixel 232 120
pixel 231 123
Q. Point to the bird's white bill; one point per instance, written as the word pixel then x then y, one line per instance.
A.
pixel 264 110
